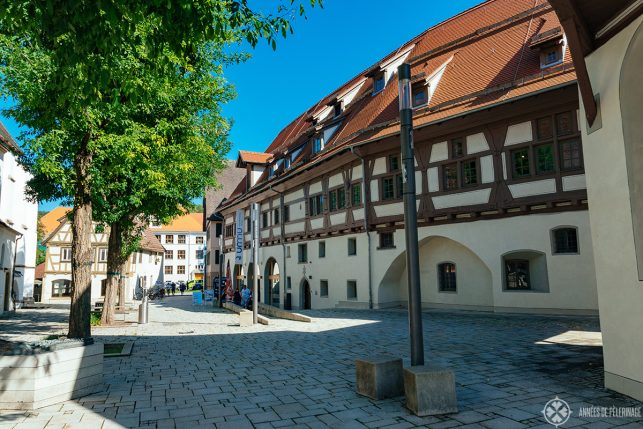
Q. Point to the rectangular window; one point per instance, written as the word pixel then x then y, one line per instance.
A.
pixel 180 254
pixel 450 176
pixel 565 241
pixel 286 163
pixel 341 198
pixel 570 155
pixel 564 125
pixel 316 205
pixel 393 163
pixel 517 274
pixel 65 254
pixel 323 288
pixel 287 251
pixel 276 216
pixel 388 190
pixel 286 213
pixel 288 283
pixel 61 288
pixel 169 239
pixel 352 246
pixel 457 148
pixel 544 159
pixel 181 239
pixel 351 289
pixel 356 194
pixel 544 129
pixel 264 220
pixel 420 94
pixel 332 201
pixel 248 226
pixel 102 254
pixel 378 82
pixel 180 269
pixel 386 240
pixel 199 254
pixel 229 230
pixel 168 269
pixel 322 249
pixel 446 277
pixel 140 258
pixel 158 237
pixel 520 163
pixel 302 253
pixel 318 144
pixel 169 254
pixel 337 108
pixel 469 172
pixel 134 258
pixel 217 255
pixel 199 240
pixel 218 230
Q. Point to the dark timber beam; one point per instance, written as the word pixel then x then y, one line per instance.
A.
pixel 580 44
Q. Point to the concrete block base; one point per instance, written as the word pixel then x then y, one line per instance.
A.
pixel 379 378
pixel 245 318
pixel 430 390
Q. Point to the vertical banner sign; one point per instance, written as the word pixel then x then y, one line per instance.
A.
pixel 238 238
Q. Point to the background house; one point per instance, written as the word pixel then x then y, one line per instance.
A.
pixel 18 227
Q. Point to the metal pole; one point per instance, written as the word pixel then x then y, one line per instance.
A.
pixel 410 215
pixel 221 259
pixel 255 259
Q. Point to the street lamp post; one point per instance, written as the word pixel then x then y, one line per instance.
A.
pixel 220 261
pixel 410 215
pixel 255 259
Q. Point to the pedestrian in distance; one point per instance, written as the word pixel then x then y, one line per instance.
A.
pixel 245 296
pixel 173 288
pixel 237 297
pixel 182 288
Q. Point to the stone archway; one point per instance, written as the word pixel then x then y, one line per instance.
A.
pixel 272 284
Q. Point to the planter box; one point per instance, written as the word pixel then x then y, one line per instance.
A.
pixel 28 382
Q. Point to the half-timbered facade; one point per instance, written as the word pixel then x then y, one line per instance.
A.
pixel 144 268
pixel 501 200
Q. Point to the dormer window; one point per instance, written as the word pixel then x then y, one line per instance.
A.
pixel 287 162
pixel 551 45
pixel 420 94
pixel 318 144
pixel 338 108
pixel 379 81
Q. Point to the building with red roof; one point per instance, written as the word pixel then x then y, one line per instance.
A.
pixel 501 199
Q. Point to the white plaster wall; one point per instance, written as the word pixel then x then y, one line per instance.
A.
pixel 462 199
pixel 294 227
pixel 619 290
pixel 297 210
pixel 389 209
pixel 357 172
pixel 291 196
pixel 439 152
pixel 572 283
pixel 315 188
pixel 434 179
pixel 380 166
pixel 571 183
pixel 477 143
pixel 338 219
pixel 335 180
pixel 519 133
pixel 317 223
pixel 375 190
pixel 537 187
pixel 486 167
pixel 419 187
pixel 358 214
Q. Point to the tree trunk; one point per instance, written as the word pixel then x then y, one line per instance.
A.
pixel 81 249
pixel 113 274
pixel 121 284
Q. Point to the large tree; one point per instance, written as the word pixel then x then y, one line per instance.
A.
pixel 77 68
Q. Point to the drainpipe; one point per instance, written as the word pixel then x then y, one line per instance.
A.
pixel 13 274
pixel 366 228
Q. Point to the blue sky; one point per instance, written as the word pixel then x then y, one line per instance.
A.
pixel 328 48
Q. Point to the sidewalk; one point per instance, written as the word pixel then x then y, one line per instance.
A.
pixel 195 367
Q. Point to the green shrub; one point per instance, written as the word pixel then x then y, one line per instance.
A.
pixel 94 319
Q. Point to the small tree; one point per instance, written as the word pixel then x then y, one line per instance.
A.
pixel 77 67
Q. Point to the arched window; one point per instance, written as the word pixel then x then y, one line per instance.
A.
pixel 446 277
pixel 565 240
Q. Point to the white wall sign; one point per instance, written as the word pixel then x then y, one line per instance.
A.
pixel 238 238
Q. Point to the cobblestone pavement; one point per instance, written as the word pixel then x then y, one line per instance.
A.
pixel 195 367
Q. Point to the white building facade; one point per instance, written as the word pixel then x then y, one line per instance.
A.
pixel 18 228
pixel 185 247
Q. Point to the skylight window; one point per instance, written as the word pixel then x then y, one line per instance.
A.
pixel 338 108
pixel 420 94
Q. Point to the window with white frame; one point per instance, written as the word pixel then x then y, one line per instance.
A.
pixel 102 254
pixel 65 254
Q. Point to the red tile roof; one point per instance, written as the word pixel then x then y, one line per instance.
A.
pixel 491 62
pixel 254 157
pixel 150 242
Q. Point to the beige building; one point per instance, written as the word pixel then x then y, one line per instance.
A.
pixel 607 43
pixel 143 269
pixel 502 208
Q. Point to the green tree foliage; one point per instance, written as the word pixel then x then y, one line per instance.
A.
pixel 88 74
